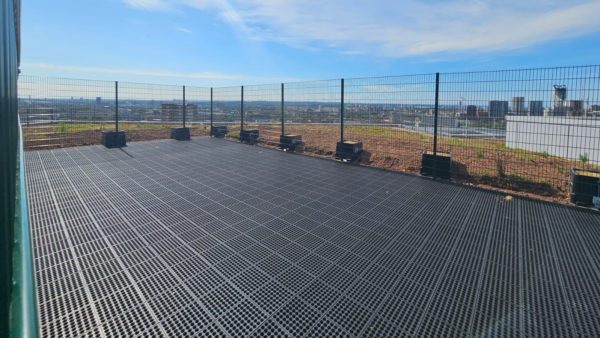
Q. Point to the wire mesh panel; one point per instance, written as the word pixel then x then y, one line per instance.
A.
pixel 521 129
pixel 312 110
pixel 227 109
pixel 57 112
pixel 198 110
pixel 262 111
pixel 393 118
pixel 149 111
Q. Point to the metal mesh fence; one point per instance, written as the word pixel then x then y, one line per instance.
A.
pixel 393 118
pixel 149 111
pixel 262 111
pixel 312 110
pixel 521 129
pixel 198 110
pixel 64 112
pixel 227 109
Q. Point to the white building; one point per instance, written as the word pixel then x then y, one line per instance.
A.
pixel 566 137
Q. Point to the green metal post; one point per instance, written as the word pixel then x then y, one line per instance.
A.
pixel 342 115
pixel 116 106
pixel 282 111
pixel 242 112
pixel 435 109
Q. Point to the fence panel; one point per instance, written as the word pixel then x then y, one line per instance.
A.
pixel 312 110
pixel 198 110
pixel 57 112
pixel 227 109
pixel 392 116
pixel 149 111
pixel 262 111
pixel 521 129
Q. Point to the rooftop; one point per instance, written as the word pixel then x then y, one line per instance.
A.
pixel 212 237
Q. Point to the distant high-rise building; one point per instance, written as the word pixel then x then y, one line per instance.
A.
pixel 518 105
pixel 559 96
pixel 574 107
pixel 472 111
pixel 536 108
pixel 98 101
pixel 498 109
pixel 593 110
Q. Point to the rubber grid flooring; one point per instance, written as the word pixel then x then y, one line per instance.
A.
pixel 214 238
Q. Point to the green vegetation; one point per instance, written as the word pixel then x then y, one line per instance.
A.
pixel 560 169
pixel 489 124
pixel 480 154
pixel 583 158
pixel 516 178
pixel 544 154
pixel 369 131
pixel 77 127
pixel 456 142
pixel 526 156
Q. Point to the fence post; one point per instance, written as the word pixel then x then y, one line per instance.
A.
pixel 242 112
pixel 435 110
pixel 211 109
pixel 184 108
pixel 568 143
pixel 342 115
pixel 282 121
pixel 117 106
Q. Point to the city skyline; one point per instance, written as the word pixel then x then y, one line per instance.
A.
pixel 488 89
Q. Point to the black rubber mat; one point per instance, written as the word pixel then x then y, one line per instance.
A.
pixel 214 238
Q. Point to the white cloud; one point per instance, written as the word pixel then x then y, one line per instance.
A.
pixel 401 28
pixel 156 73
pixel 158 5
pixel 183 30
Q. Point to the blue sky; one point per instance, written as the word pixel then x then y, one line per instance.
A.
pixel 231 42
